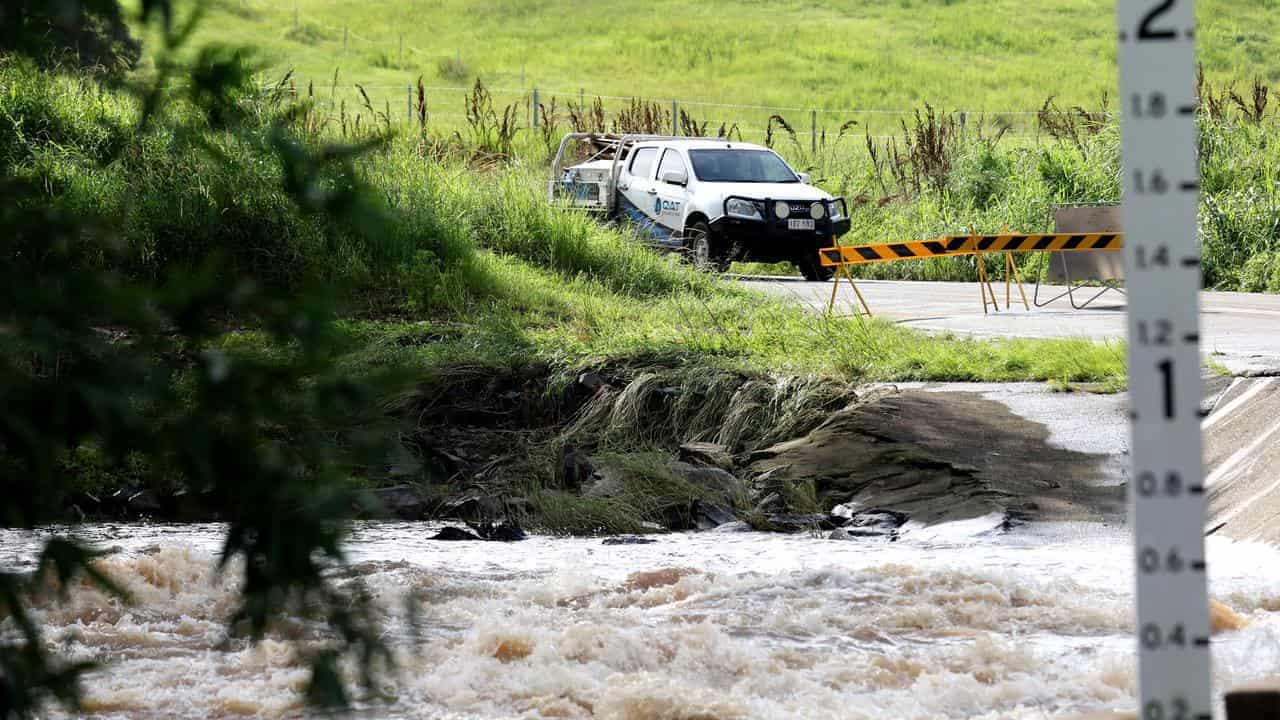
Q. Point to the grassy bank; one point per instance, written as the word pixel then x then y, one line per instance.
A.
pixel 474 260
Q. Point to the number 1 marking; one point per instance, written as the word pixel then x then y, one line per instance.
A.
pixel 1166 369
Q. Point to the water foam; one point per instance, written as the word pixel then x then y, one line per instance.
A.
pixel 692 627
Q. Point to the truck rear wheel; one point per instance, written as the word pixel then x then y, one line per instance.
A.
pixel 704 251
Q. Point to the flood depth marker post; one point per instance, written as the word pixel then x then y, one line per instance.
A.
pixel 1166 486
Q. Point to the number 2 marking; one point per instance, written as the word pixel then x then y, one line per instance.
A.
pixel 1144 30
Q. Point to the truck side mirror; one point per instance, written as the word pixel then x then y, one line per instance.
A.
pixel 674 177
pixel 804 179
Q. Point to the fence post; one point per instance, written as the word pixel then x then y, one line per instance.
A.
pixel 536 106
pixel 344 39
pixel 675 118
pixel 813 131
pixel 408 104
pixel 401 63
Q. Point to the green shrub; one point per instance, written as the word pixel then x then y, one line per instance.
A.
pixel 1261 273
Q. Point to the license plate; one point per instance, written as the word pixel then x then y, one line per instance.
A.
pixel 800 225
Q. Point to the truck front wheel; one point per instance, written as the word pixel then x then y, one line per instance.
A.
pixel 813 269
pixel 705 252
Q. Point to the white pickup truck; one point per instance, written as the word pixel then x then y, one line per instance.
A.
pixel 715 200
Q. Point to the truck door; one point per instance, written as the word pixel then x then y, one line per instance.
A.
pixel 637 195
pixel 672 182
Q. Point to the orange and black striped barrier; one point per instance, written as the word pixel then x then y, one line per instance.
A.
pixel 842 257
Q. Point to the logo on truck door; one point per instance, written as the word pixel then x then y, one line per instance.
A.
pixel 664 206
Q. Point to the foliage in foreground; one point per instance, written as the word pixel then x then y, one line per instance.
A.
pixel 97 355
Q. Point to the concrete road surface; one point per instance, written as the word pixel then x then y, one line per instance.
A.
pixel 1241 331
pixel 1242 458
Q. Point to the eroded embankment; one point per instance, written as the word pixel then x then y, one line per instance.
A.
pixel 620 449
pixel 629 448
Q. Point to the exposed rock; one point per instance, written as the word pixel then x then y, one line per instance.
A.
pixel 576 468
pixel 736 526
pixel 604 484
pixel 592 381
pixel 771 503
pixel 455 533
pixel 771 477
pixel 705 453
pixel 876 520
pixel 794 523
pixel 401 501
pixel 145 502
pixel 932 457
pixel 843 511
pixel 712 479
pixel 708 515
pixel 848 533
pixel 628 540
pixel 471 506
pixel 186 504
pixel 506 531
pixel 132 502
pixel 83 504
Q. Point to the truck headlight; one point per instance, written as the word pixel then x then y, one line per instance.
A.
pixel 817 211
pixel 782 210
pixel 837 209
pixel 739 208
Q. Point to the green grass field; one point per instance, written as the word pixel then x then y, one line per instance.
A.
pixel 976 55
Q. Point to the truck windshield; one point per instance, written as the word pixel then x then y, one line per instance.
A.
pixel 745 166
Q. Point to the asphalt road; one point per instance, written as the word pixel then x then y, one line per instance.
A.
pixel 1240 331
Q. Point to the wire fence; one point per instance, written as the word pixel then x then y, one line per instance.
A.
pixel 446 107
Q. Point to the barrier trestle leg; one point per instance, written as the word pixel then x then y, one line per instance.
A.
pixel 843 269
pixel 835 286
pixel 985 287
pixel 1011 272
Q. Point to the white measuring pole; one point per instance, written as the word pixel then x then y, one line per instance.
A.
pixel 1166 488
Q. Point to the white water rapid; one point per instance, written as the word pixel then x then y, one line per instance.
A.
pixel 713 626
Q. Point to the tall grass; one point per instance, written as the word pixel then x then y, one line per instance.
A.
pixel 497 275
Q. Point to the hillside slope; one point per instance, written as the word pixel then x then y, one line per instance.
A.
pixel 992 55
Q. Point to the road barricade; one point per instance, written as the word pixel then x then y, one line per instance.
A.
pixel 843 257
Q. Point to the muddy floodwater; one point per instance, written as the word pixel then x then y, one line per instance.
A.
pixel 1032 623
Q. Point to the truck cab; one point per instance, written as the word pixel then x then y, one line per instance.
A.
pixel 715 200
